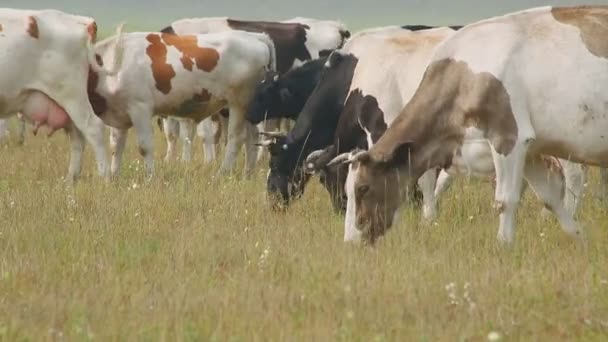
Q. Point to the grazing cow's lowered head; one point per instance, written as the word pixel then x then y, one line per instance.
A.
pixel 313 130
pixel 284 96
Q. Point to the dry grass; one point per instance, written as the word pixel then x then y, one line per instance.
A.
pixel 187 257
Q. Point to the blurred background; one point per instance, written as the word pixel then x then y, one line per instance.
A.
pixel 357 14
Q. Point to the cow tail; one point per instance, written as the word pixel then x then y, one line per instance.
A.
pixel 118 52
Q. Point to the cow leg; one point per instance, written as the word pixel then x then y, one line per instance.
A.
pixel 92 128
pixel 206 131
pixel 141 116
pixel 236 137
pixel 20 129
pixel 187 130
pixel 252 149
pixel 76 152
pixel 603 195
pixel 427 185
pixel 171 130
pixel 3 128
pixel 509 179
pixel 118 138
pixel 548 187
pixel 444 180
pixel 574 176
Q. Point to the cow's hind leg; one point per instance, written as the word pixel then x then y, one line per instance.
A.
pixel 118 139
pixel 252 149
pixel 548 186
pixel 206 130
pixel 76 152
pixel 92 128
pixel 236 137
pixel 171 131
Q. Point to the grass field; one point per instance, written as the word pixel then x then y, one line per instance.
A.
pixel 190 257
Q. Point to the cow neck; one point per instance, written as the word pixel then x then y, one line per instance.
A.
pixel 425 122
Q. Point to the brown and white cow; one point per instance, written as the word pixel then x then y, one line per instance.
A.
pixel 494 80
pixel 189 76
pixel 46 56
pixel 296 41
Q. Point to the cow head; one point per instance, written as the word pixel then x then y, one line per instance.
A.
pixel 283 182
pixel 267 99
pixel 379 189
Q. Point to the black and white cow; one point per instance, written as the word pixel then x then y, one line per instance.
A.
pixel 374 73
pixel 296 41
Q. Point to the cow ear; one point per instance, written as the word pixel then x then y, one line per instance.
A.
pixel 400 155
pixel 285 94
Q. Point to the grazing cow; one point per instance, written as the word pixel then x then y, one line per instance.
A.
pixel 509 95
pixel 296 41
pixel 352 81
pixel 45 62
pixel 189 76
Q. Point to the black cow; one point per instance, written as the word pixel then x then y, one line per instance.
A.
pixel 284 96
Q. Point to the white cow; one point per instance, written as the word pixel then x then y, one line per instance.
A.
pixel 296 40
pixel 188 76
pixel 492 80
pixel 46 56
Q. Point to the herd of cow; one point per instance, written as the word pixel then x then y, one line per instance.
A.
pixel 383 117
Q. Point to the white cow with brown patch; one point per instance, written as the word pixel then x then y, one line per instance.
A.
pixel 296 41
pixel 497 80
pixel 189 76
pixel 46 56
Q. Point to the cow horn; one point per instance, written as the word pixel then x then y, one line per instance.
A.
pixel 314 155
pixel 272 134
pixel 341 158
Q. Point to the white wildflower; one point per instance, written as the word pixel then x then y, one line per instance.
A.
pixel 494 336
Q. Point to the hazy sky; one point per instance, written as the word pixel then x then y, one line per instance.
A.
pixel 357 14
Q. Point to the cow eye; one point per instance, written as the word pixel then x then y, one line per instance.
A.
pixel 362 190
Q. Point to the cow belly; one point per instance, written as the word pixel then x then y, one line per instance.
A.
pixel 474 158
pixel 43 111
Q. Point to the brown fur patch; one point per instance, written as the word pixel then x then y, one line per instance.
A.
pixel 450 98
pixel 206 59
pixel 32 27
pixel 162 71
pixel 592 21
pixel 98 102
pixel 204 96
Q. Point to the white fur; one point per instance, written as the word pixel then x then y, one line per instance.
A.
pixel 54 64
pixel 391 73
pixel 133 97
pixel 321 35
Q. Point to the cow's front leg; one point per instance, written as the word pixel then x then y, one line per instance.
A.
pixel 186 131
pixel 207 132
pixel 509 179
pixel 141 116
